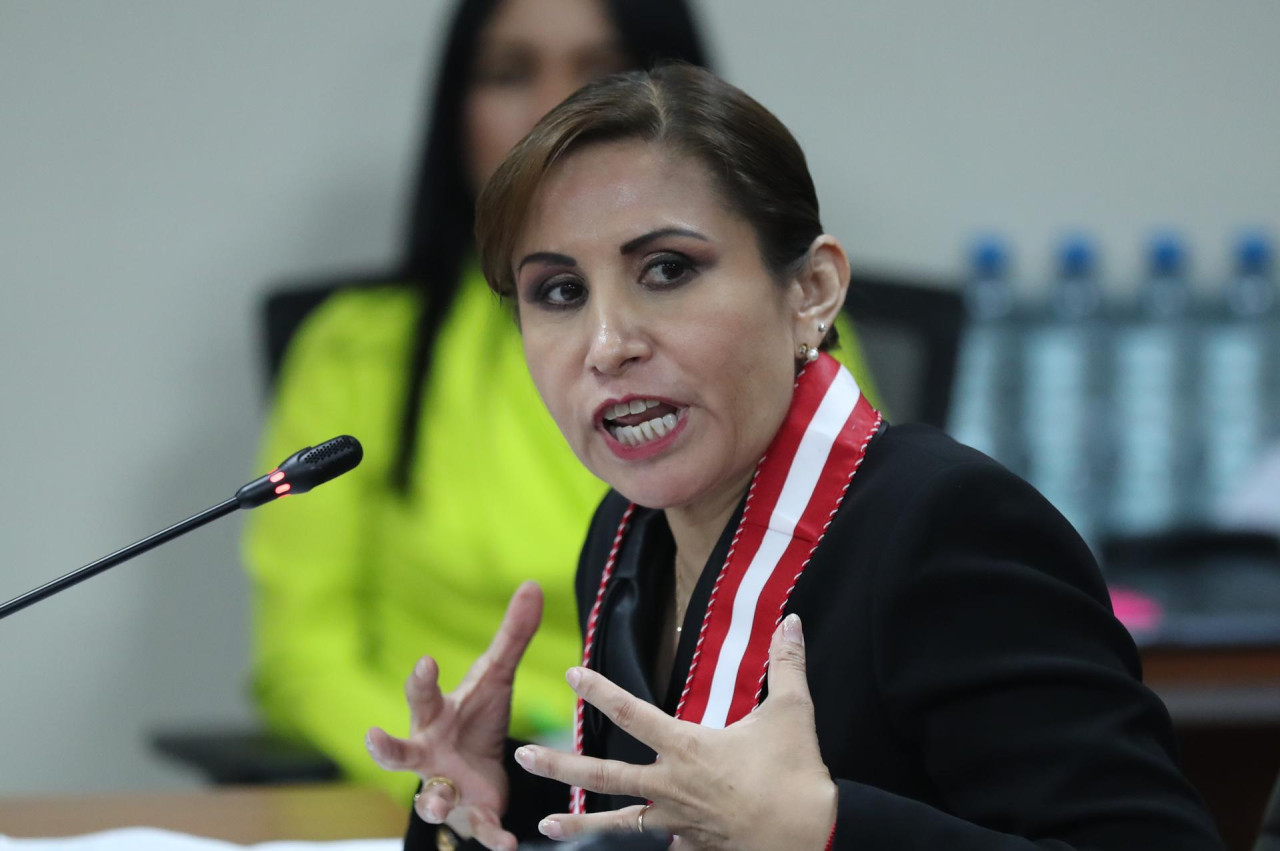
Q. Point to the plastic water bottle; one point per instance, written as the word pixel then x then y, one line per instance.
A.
pixel 984 406
pixel 1240 374
pixel 1154 399
pixel 1064 404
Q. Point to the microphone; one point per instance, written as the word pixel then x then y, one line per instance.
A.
pixel 303 470
pixel 299 473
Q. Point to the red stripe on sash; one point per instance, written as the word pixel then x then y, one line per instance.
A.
pixel 766 487
pixel 837 474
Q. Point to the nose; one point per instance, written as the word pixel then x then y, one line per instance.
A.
pixel 554 85
pixel 618 341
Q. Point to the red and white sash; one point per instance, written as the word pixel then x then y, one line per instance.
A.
pixel 797 488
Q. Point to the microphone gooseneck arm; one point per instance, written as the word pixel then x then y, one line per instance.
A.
pixel 52 587
pixel 299 473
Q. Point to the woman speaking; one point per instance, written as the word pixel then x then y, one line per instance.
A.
pixel 803 628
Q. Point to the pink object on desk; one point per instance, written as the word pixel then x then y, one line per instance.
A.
pixel 1138 612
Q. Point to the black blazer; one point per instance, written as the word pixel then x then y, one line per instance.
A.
pixel 972 689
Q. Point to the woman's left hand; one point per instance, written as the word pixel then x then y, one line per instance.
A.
pixel 759 783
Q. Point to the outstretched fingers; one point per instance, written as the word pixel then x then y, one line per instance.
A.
pixel 644 721
pixel 606 776
pixel 487 829
pixel 519 624
pixel 422 693
pixel 787 677
pixel 435 801
pixel 390 753
pixel 625 820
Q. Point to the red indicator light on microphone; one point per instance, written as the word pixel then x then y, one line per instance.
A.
pixel 283 489
pixel 276 476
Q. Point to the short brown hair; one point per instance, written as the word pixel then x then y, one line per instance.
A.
pixel 756 162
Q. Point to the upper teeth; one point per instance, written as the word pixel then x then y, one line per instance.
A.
pixel 635 406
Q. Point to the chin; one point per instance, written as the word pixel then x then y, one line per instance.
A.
pixel 654 491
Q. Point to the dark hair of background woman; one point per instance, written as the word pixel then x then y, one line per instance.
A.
pixel 439 235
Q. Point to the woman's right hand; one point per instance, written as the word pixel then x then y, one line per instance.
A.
pixel 460 735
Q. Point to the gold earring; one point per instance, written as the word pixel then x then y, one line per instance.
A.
pixel 808 353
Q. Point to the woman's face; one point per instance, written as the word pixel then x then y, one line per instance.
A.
pixel 531 55
pixel 637 287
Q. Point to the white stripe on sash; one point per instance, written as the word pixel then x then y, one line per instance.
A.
pixel 797 489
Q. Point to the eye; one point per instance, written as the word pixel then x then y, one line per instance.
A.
pixel 666 271
pixel 504 76
pixel 503 66
pixel 561 292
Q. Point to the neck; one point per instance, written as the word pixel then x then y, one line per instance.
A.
pixel 697 526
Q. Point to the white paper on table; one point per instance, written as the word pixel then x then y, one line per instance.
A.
pixel 151 839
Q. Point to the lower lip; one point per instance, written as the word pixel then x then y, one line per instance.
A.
pixel 645 450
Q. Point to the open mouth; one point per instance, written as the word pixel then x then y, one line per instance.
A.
pixel 639 421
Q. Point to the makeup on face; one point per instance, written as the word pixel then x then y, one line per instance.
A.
pixel 657 337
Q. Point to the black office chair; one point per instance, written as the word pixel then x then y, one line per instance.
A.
pixel 241 757
pixel 910 332
pixel 287 305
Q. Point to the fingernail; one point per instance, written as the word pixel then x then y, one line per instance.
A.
pixel 551 828
pixel 791 629
pixel 574 676
pixel 524 756
pixel 420 669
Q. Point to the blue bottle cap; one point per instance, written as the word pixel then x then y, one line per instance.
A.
pixel 989 258
pixel 1168 255
pixel 1077 257
pixel 1253 254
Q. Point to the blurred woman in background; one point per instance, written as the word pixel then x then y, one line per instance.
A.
pixel 404 553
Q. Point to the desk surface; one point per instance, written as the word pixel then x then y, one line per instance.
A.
pixel 1217 685
pixel 244 814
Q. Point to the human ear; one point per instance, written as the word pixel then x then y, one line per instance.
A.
pixel 818 290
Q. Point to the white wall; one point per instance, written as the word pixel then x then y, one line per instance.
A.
pixel 161 161
pixel 927 120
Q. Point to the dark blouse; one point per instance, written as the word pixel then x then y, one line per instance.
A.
pixel 972 689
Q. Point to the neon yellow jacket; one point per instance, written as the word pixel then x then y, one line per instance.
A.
pixel 352 583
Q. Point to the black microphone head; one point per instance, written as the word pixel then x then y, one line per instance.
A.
pixel 330 459
pixel 303 470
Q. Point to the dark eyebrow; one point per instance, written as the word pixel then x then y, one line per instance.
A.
pixel 547 257
pixel 641 241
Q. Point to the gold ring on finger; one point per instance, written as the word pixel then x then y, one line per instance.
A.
pixel 439 780
pixel 640 817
